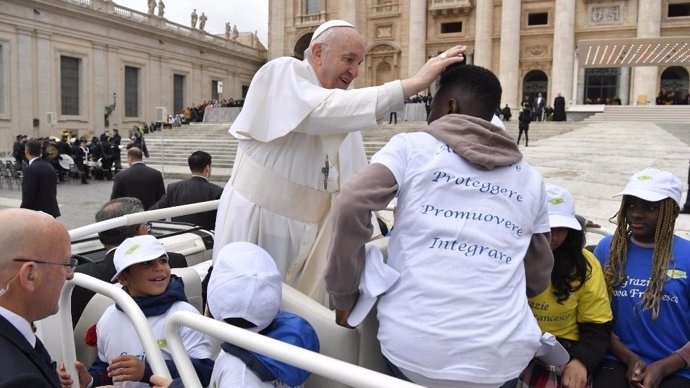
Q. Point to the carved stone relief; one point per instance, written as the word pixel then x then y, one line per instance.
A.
pixel 610 14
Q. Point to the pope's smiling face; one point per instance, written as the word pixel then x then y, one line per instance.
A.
pixel 336 63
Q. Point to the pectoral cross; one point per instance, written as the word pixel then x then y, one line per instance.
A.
pixel 324 171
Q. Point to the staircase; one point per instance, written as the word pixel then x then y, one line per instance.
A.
pixel 646 113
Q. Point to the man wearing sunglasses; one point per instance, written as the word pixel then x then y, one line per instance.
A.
pixel 35 262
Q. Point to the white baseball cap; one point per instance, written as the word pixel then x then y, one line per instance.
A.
pixel 561 208
pixel 654 185
pixel 245 283
pixel 377 277
pixel 329 24
pixel 134 250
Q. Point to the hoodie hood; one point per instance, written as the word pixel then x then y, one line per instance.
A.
pixel 483 144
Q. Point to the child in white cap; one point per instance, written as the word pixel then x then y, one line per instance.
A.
pixel 575 307
pixel 142 268
pixel 245 290
pixel 646 268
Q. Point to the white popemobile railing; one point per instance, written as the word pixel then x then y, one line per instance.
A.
pixel 129 307
pixel 143 217
pixel 337 370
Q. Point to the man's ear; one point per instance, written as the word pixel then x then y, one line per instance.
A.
pixel 317 53
pixel 453 106
pixel 28 276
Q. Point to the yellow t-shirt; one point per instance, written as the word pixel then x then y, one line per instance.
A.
pixel 589 304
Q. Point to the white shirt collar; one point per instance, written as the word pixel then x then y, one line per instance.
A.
pixel 32 160
pixel 137 162
pixel 20 324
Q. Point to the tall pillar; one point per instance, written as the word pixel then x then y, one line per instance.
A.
pixel 44 100
pixel 648 26
pixel 100 84
pixel 509 65
pixel 26 78
pixel 276 31
pixel 347 10
pixel 624 86
pixel 484 27
pixel 563 49
pixel 416 48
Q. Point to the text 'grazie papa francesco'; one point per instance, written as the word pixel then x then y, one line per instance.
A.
pixel 483 187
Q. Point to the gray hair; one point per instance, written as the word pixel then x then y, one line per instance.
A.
pixel 117 208
pixel 326 38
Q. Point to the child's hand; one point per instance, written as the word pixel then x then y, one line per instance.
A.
pixel 66 378
pixel 126 368
pixel 160 381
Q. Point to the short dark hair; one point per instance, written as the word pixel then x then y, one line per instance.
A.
pixel 117 208
pixel 34 147
pixel 198 160
pixel 135 153
pixel 477 81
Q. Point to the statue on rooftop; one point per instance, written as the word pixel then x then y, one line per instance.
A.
pixel 202 21
pixel 161 8
pixel 228 30
pixel 152 7
pixel 194 18
pixel 235 33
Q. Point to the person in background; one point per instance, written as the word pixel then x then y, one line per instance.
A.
pixel 39 182
pixel 646 269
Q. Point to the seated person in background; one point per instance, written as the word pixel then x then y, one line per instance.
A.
pixel 575 308
pixel 245 290
pixel 104 269
pixel 193 190
pixel 646 269
pixel 458 315
pixel 143 270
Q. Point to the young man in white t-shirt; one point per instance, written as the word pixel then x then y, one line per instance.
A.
pixel 470 241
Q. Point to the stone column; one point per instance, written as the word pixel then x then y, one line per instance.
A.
pixel 509 65
pixel 276 31
pixel 648 26
pixel 624 86
pixel 484 27
pixel 347 10
pixel 563 49
pixel 25 76
pixel 416 50
pixel 44 100
pixel 102 96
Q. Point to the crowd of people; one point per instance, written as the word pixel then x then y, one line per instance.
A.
pixel 473 288
pixel 195 114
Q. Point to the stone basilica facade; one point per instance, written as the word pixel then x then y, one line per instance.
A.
pixel 83 65
pixel 586 50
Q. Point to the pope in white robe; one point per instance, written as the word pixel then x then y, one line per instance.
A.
pixel 299 142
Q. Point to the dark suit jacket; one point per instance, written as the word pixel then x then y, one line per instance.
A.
pixel 22 365
pixel 193 190
pixel 105 270
pixel 139 181
pixel 39 188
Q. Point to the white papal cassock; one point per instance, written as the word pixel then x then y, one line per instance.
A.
pixel 298 143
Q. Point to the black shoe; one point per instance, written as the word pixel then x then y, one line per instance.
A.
pixel 685 210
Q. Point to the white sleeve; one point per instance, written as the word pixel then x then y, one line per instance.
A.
pixel 394 156
pixel 347 111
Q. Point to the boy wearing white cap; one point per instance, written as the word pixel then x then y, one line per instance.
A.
pixel 245 290
pixel 292 161
pixel 575 307
pixel 142 268
pixel 646 269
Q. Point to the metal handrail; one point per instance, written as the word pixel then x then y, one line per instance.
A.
pixel 332 368
pixel 129 307
pixel 143 217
